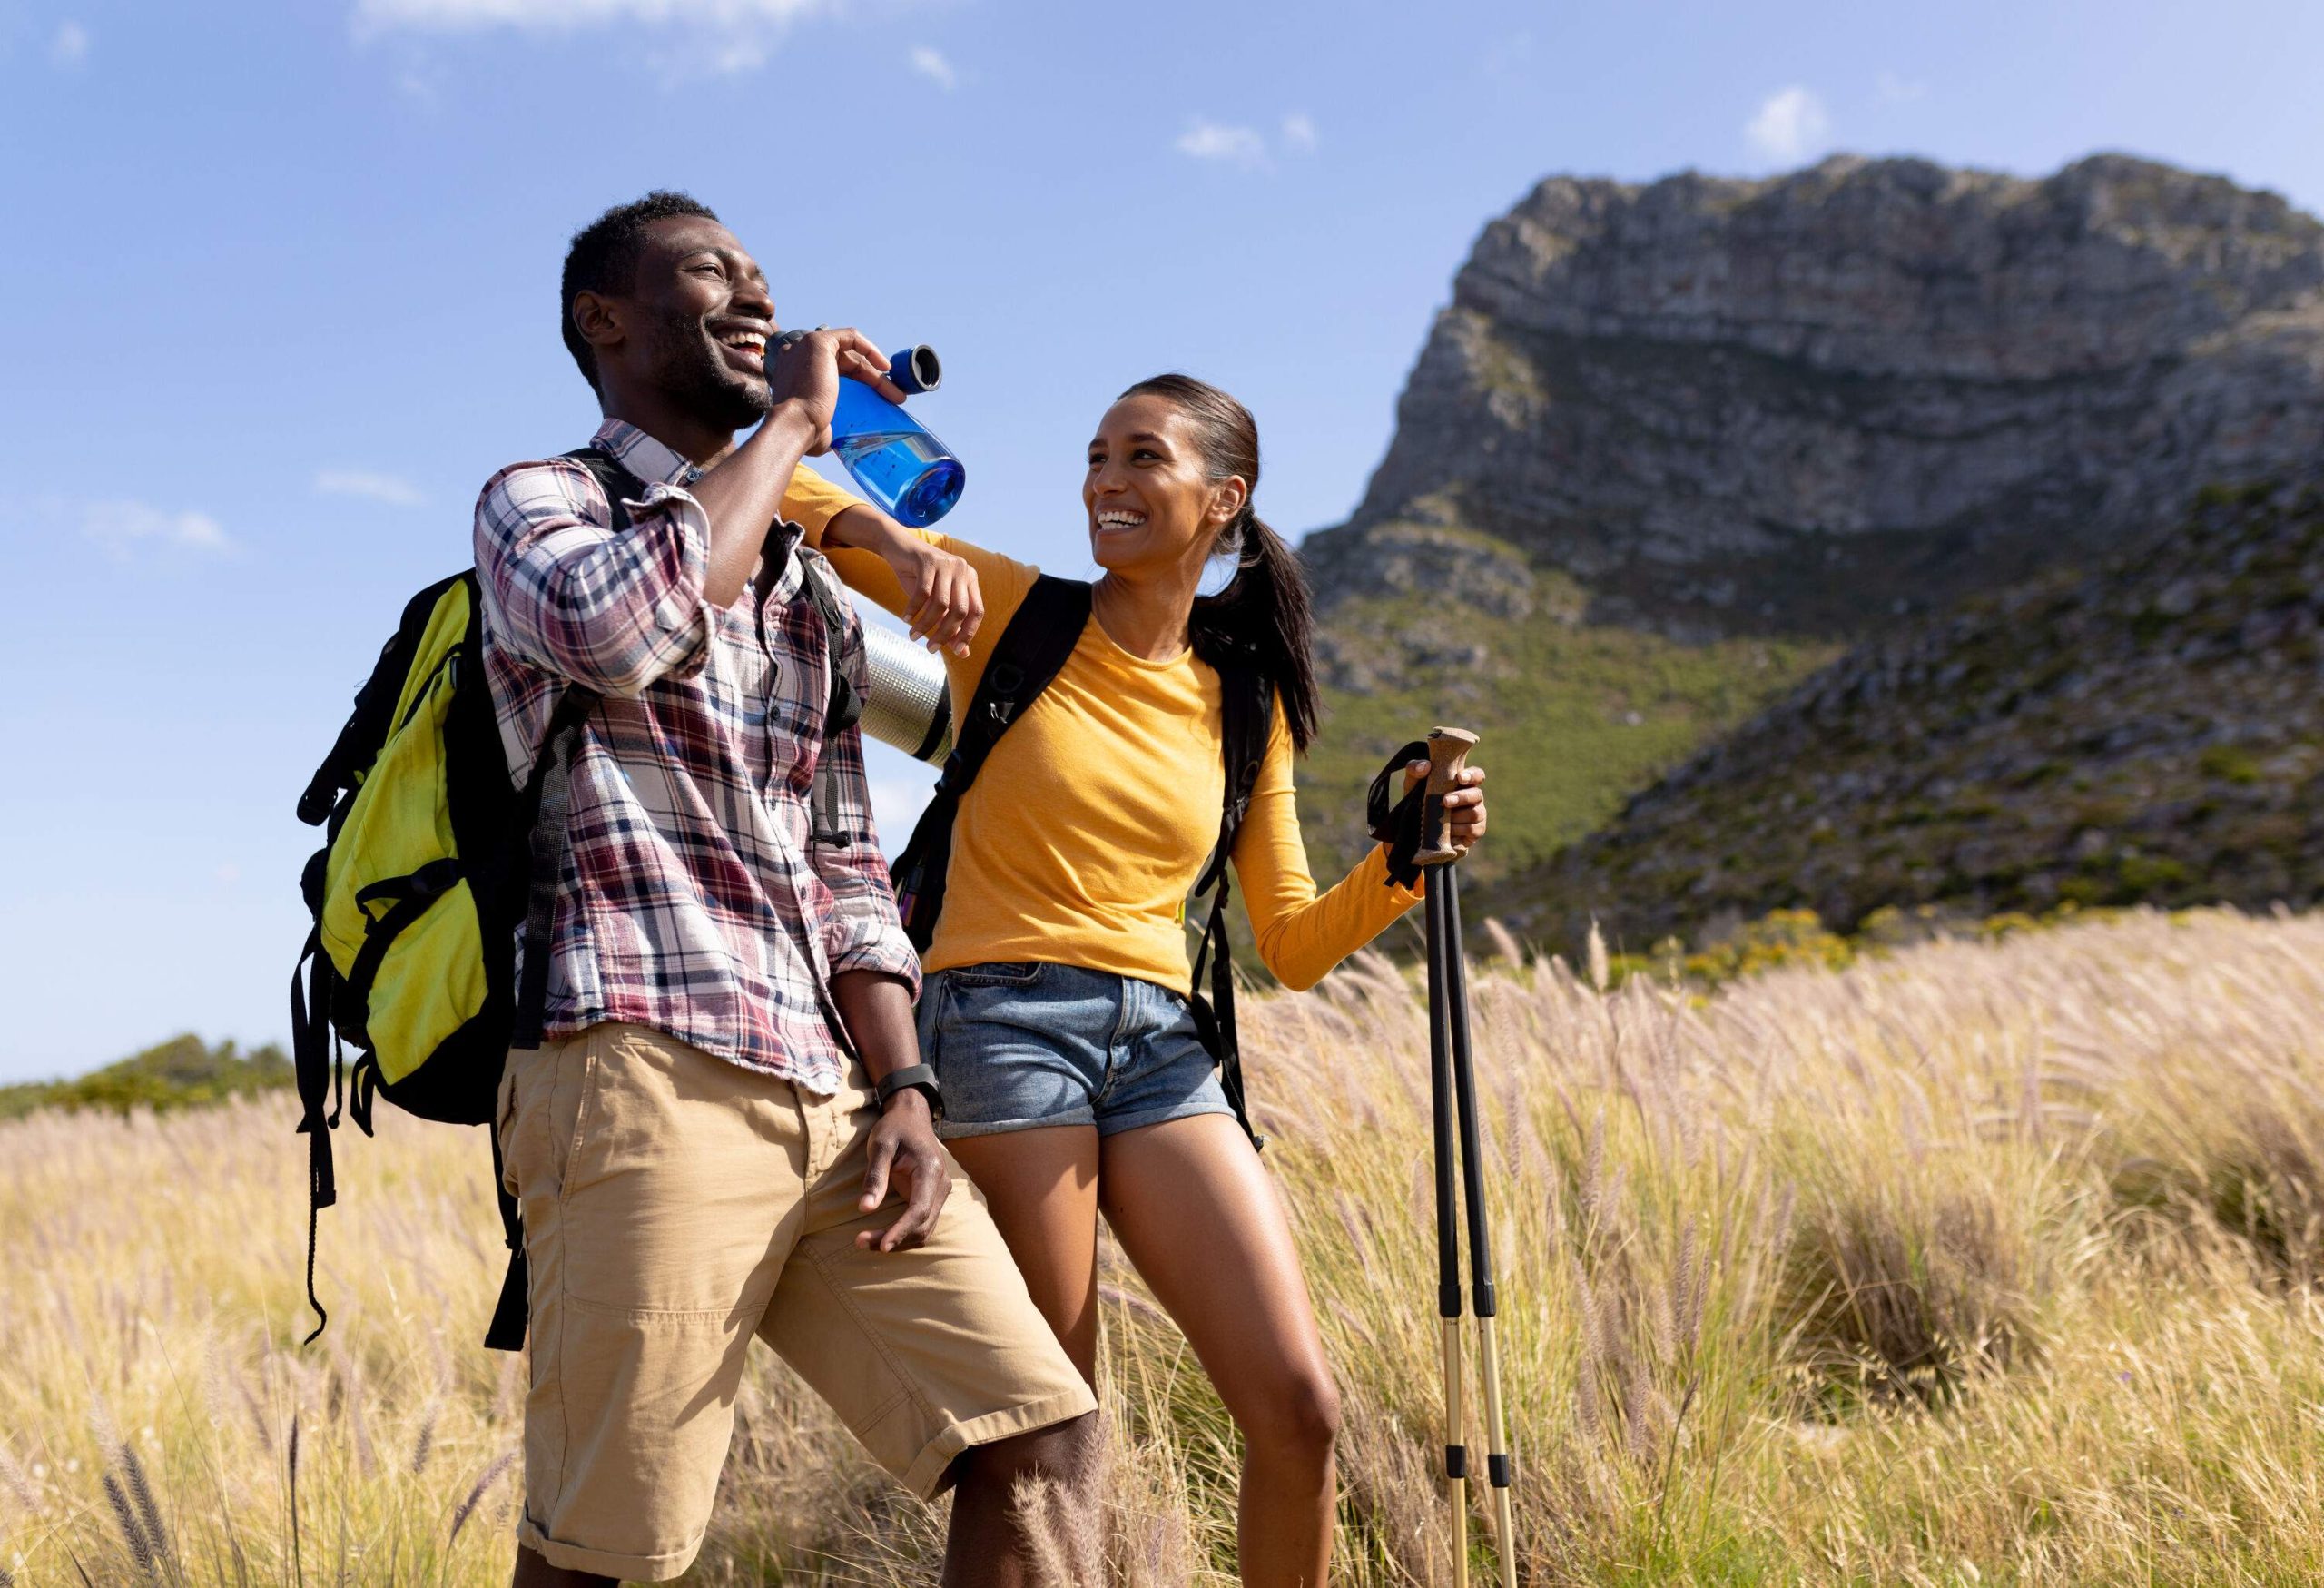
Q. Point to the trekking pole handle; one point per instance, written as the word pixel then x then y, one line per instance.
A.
pixel 1448 755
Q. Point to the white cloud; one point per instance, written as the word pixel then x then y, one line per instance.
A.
pixel 391 489
pixel 122 527
pixel 722 37
pixel 70 45
pixel 1789 125
pixel 560 15
pixel 1895 90
pixel 1230 143
pixel 931 64
pixel 1208 139
pixel 736 56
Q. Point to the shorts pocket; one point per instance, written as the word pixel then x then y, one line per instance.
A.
pixel 927 1018
pixel 566 1112
pixel 997 974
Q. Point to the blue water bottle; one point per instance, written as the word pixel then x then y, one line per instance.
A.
pixel 900 463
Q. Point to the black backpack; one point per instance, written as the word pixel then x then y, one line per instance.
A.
pixel 434 1038
pixel 1030 652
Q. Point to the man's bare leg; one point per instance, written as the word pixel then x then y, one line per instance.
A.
pixel 986 1547
pixel 532 1571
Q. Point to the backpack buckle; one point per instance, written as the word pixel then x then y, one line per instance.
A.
pixel 315 805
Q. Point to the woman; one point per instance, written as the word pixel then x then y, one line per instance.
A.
pixel 1054 1011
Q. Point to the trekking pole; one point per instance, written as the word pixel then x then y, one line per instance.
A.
pixel 1450 1052
pixel 1447 1229
pixel 1464 1079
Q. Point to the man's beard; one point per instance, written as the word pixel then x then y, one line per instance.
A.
pixel 699 381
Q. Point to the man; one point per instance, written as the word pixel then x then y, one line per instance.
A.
pixel 699 1143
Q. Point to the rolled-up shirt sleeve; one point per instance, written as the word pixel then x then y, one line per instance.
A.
pixel 863 930
pixel 612 610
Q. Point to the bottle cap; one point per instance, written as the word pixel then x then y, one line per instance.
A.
pixel 915 370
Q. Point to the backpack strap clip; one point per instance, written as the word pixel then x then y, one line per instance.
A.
pixel 954 780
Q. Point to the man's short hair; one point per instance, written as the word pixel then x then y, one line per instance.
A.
pixel 603 258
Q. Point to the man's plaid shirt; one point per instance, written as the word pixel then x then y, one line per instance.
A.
pixel 691 900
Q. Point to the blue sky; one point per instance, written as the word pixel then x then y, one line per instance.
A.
pixel 281 285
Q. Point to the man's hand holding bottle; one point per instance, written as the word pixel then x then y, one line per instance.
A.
pixel 803 370
pixel 944 604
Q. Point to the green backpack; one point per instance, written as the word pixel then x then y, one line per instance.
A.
pixel 432 863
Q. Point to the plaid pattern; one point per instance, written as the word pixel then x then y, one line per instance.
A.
pixel 691 900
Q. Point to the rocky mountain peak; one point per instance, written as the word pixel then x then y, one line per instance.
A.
pixel 1806 404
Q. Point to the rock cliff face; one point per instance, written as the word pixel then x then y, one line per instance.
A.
pixel 1796 406
pixel 1672 448
pixel 2148 730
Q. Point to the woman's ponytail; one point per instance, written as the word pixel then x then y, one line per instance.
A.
pixel 1263 615
pixel 1260 618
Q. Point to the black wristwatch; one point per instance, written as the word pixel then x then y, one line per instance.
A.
pixel 920 1078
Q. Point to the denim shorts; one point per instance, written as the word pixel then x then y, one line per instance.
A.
pixel 1023 1044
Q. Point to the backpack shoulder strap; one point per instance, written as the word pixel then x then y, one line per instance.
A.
pixel 1247 704
pixel 1246 708
pixel 614 476
pixel 842 708
pixel 846 707
pixel 1032 651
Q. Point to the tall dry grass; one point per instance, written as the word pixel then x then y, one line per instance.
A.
pixel 1980 1263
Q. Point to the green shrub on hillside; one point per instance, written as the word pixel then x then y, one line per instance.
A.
pixel 175 1074
pixel 1573 715
pixel 1783 939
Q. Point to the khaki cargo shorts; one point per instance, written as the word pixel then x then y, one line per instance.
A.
pixel 677 1205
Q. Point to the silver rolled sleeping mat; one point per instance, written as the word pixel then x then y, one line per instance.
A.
pixel 910 703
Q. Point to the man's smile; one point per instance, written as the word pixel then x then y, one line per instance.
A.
pixel 744 347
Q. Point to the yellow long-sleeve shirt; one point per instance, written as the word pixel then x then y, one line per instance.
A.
pixel 1090 823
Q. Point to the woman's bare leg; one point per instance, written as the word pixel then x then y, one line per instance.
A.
pixel 1202 1222
pixel 1041 1187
